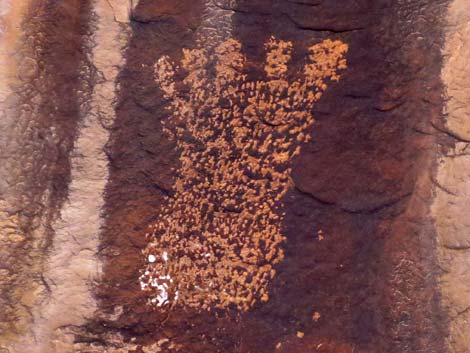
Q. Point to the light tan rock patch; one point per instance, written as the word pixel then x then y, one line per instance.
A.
pixel 451 208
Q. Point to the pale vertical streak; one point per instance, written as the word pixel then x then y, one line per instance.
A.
pixel 72 265
pixel 451 207
pixel 11 16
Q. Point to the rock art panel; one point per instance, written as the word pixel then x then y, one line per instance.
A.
pixel 288 197
pixel 218 237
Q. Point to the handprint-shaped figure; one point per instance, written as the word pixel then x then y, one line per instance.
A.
pixel 218 237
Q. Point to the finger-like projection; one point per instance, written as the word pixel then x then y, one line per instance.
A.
pixel 219 235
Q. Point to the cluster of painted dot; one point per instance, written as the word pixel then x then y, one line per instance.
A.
pixel 219 235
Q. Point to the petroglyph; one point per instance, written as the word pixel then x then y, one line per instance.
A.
pixel 219 236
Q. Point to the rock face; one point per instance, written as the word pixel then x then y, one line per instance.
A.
pixel 234 176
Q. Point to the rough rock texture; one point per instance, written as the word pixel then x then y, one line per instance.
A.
pixel 451 208
pixel 122 9
pixel 70 96
pixel 368 266
pixel 10 223
pixel 39 116
pixel 72 265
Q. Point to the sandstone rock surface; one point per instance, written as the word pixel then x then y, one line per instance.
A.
pixel 138 137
